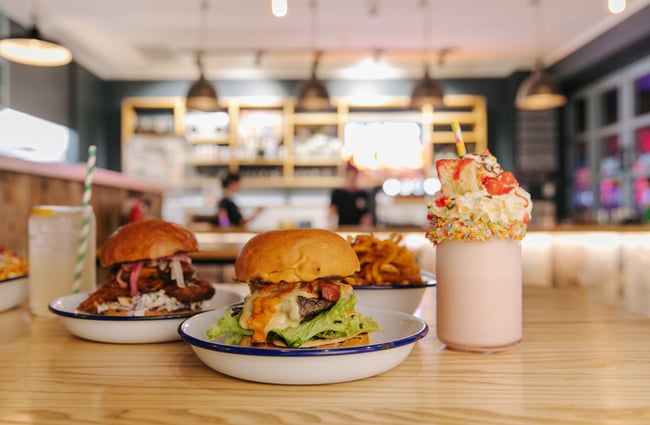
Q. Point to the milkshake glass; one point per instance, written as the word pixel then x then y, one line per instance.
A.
pixel 478 294
pixel 477 221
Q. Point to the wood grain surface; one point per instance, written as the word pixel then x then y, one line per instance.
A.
pixel 580 362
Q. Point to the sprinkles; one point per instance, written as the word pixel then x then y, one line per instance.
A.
pixel 477 231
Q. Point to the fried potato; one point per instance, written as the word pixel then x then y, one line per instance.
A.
pixel 11 265
pixel 384 262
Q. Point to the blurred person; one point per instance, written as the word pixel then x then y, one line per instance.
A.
pixel 350 204
pixel 228 212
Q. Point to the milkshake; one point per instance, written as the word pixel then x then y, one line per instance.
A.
pixel 477 221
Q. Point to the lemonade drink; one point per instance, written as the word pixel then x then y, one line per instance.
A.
pixel 54 235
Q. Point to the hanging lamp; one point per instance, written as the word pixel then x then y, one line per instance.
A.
pixel 202 96
pixel 538 91
pixel 312 94
pixel 32 49
pixel 426 91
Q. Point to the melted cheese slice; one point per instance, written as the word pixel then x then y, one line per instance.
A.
pixel 273 307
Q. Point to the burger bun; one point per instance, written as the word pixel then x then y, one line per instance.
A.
pixel 146 239
pixel 295 255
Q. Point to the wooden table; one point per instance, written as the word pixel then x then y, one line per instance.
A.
pixel 580 362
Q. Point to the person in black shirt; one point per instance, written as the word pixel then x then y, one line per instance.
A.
pixel 228 213
pixel 350 204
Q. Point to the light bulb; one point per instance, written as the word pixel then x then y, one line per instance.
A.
pixel 616 6
pixel 279 8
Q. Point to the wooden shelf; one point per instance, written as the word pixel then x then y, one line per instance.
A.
pixel 469 110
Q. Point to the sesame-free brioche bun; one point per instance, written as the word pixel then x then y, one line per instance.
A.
pixel 295 255
pixel 147 239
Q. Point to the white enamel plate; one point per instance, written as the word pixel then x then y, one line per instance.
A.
pixel 406 298
pixel 12 292
pixel 388 348
pixel 129 329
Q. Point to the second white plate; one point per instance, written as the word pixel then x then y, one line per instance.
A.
pixel 129 329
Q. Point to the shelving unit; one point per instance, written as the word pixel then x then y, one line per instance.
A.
pixel 276 145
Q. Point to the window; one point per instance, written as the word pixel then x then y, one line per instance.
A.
pixel 642 95
pixel 609 107
pixel 34 139
pixel 642 169
pixel 610 129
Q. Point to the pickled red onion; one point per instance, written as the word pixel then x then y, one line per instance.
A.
pixel 133 278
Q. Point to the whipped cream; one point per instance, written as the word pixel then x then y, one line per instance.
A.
pixel 478 201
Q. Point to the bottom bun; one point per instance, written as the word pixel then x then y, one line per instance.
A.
pixel 360 339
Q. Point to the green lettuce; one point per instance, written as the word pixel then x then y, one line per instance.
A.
pixel 229 327
pixel 334 323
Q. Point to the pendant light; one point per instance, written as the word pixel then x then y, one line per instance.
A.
pixel 426 91
pixel 33 49
pixel 539 92
pixel 313 94
pixel 202 96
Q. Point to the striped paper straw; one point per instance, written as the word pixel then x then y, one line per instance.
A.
pixel 460 145
pixel 85 229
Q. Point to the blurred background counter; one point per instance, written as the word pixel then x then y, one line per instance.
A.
pixel 610 262
pixel 25 184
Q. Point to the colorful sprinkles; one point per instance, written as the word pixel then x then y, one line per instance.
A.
pixel 441 229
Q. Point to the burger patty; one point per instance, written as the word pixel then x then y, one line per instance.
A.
pixel 311 307
pixel 327 291
pixel 151 279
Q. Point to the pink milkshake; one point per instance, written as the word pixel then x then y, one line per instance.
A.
pixel 477 221
pixel 479 302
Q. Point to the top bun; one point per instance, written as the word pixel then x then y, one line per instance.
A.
pixel 147 239
pixel 295 255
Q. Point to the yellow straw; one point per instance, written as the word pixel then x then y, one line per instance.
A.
pixel 460 146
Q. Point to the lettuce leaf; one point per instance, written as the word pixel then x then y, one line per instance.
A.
pixel 341 321
pixel 228 326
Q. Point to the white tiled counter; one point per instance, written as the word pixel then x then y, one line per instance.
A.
pixel 613 263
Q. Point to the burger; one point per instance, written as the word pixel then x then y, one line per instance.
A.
pixel 299 293
pixel 150 272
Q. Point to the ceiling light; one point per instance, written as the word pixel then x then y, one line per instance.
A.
pixel 616 6
pixel 427 91
pixel 279 8
pixel 34 50
pixel 312 94
pixel 538 91
pixel 202 96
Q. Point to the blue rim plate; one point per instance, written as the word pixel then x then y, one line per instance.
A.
pixel 66 306
pixel 404 329
pixel 11 279
pixel 13 292
pixel 291 366
pixel 129 329
pixel 428 278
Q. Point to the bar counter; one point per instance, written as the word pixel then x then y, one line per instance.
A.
pixel 581 362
